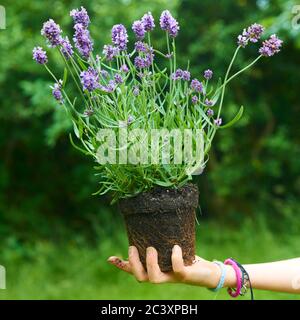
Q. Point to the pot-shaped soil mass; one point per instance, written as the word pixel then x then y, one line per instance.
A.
pixel 162 218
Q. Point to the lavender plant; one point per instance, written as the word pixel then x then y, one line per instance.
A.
pixel 127 88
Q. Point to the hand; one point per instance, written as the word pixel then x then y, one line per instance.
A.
pixel 202 272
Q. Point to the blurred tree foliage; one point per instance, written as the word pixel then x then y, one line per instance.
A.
pixel 254 167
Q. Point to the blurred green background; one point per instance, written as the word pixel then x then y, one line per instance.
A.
pixel 55 236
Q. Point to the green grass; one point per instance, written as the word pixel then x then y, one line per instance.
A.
pixel 78 270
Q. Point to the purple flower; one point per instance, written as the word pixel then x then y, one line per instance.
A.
pixel 208 103
pixel 148 21
pixel 252 34
pixel 136 91
pixel 141 46
pixel 124 68
pixel 80 16
pixel 218 122
pixel 138 29
pixel 186 75
pixel 118 78
pixel 242 40
pixel 56 91
pixel 52 32
pixel 194 99
pixel 110 52
pixel 210 113
pixel 89 79
pixel 271 46
pixel 197 86
pixel 208 74
pixel 39 55
pixel 66 48
pixel 130 119
pixel 169 24
pixel 177 75
pixel 119 36
pixel 146 62
pixel 139 62
pixel 104 74
pixel 82 40
pixel 111 86
pixel 180 74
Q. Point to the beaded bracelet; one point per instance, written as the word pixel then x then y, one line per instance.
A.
pixel 235 292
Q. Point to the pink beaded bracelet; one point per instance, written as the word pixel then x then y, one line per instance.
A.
pixel 238 273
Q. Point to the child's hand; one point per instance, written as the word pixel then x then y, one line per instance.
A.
pixel 201 273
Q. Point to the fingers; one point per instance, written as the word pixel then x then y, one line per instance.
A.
pixel 136 265
pixel 177 262
pixel 154 273
pixel 120 264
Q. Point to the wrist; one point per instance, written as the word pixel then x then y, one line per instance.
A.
pixel 230 280
pixel 214 276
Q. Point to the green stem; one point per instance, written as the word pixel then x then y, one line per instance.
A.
pixel 226 77
pixel 238 73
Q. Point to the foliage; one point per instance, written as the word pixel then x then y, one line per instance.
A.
pixel 253 169
pixel 133 90
pixel 47 270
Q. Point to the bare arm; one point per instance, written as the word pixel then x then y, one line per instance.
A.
pixel 283 276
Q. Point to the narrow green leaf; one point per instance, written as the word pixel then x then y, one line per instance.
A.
pixel 65 77
pixel 235 119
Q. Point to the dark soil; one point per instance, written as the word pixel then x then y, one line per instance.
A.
pixel 162 218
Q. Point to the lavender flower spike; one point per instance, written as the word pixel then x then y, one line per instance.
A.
pixel 110 52
pixel 208 102
pixel 208 74
pixel 186 75
pixel 39 55
pixel 271 46
pixel 80 16
pixel 210 112
pixel 52 32
pixel 197 86
pixel 148 21
pixel 124 68
pixel 139 29
pixel 66 48
pixel 194 99
pixel 177 75
pixel 118 78
pixel 141 46
pixel 252 34
pixel 119 36
pixel 136 91
pixel 169 24
pixel 218 122
pixel 56 91
pixel 89 79
pixel 82 40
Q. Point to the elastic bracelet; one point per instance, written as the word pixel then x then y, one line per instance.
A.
pixel 235 293
pixel 222 278
pixel 246 282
